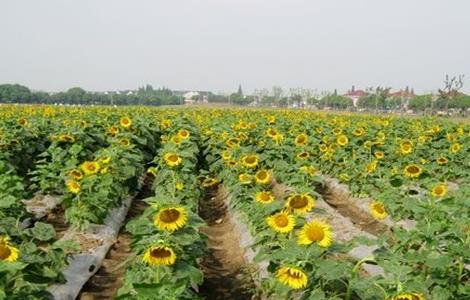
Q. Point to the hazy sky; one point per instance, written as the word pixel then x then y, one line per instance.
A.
pixel 216 44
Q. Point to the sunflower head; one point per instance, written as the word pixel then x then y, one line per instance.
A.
pixel 342 140
pixel 263 177
pixel 300 203
pixel 455 148
pixel 264 197
pixel 439 190
pixel 90 167
pixel 209 182
pixel 442 160
pixel 172 159
pixel 409 296
pixel 8 253
pixel 183 134
pixel 315 232
pixel 303 155
pixel 292 277
pixel 171 218
pixel 23 122
pixel 158 255
pixel 406 147
pixel 125 122
pixel 76 174
pixel 73 186
pixel 359 131
pixel 301 139
pixel 377 209
pixel 379 154
pixel 413 171
pixel 250 161
pixel 66 138
pixel 124 142
pixel 281 222
pixel 245 178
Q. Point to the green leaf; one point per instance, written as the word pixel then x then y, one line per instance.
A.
pixel 43 231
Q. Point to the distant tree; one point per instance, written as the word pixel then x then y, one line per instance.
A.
pixel 450 91
pixel 240 91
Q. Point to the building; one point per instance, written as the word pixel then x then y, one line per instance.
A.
pixel 355 95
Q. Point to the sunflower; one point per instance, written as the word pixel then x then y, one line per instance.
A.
pixel 209 182
pixel 113 130
pixel 76 174
pixel 406 147
pixel 245 178
pixel 439 190
pixel 300 203
pixel 264 197
pixel 310 170
pixel 172 159
pixel 176 139
pixel 372 166
pixel 153 171
pixel 359 131
pixel 183 133
pixel 226 155
pixel 179 186
pixel 250 161
pixel 263 177
pixel 456 147
pixel 315 232
pixel 159 256
pixel 171 218
pixel 125 122
pixel 342 140
pixel 23 122
pixel 409 296
pixel 442 160
pixel 165 123
pixel 377 210
pixel 281 222
pixel 271 120
pixel 293 277
pixel 323 148
pixel 301 139
pixel 337 131
pixel 271 132
pixel 233 143
pixel 413 171
pixel 66 138
pixel 73 186
pixel 379 154
pixel 90 167
pixel 303 155
pixel 8 252
pixel 124 142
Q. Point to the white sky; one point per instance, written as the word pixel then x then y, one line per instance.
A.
pixel 217 44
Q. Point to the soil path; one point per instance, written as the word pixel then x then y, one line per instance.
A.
pixel 226 275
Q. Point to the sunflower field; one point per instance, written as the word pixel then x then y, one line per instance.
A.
pixel 231 204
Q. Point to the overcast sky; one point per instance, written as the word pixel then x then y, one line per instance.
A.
pixel 216 44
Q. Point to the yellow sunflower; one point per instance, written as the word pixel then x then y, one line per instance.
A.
pixel 342 140
pixel 90 167
pixel 264 197
pixel 23 122
pixel 442 160
pixel 263 177
pixel 245 178
pixel 300 203
pixel 171 218
pixel 455 148
pixel 125 122
pixel 359 131
pixel 281 222
pixel 66 138
pixel 124 142
pixel 172 159
pixel 372 166
pixel 8 252
pixel 379 154
pixel 113 130
pixel 292 277
pixel 226 155
pixel 413 171
pixel 406 147
pixel 159 256
pixel 73 186
pixel 303 155
pixel 76 174
pixel 310 170
pixel 409 296
pixel 301 139
pixel 183 133
pixel 250 161
pixel 209 182
pixel 315 232
pixel 377 209
pixel 439 190
pixel 165 124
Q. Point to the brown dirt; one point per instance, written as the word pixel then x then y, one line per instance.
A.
pixel 57 219
pixel 226 273
pixel 109 278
